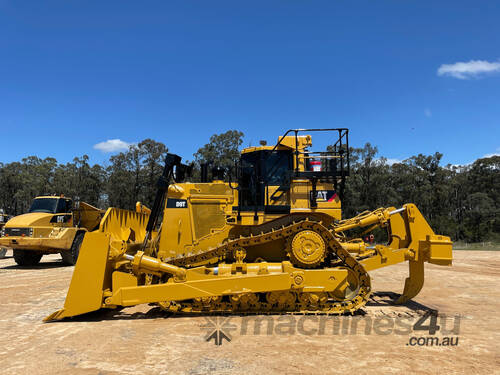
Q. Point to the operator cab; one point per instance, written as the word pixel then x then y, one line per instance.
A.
pixel 268 174
pixel 51 205
pixel 262 168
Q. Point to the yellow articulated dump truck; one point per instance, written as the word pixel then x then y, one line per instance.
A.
pixel 270 240
pixel 3 219
pixel 52 225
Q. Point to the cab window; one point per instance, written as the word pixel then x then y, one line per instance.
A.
pixel 46 205
pixel 260 169
pixel 63 206
pixel 277 165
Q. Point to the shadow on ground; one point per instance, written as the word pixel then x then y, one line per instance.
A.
pixel 40 266
pixel 381 299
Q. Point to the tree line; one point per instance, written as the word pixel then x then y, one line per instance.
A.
pixel 460 201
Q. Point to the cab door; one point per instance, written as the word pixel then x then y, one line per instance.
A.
pixel 277 167
pixel 64 215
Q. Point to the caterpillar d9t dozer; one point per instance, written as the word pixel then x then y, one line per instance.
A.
pixel 272 241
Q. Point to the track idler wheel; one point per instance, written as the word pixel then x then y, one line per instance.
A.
pixel 306 249
pixel 347 290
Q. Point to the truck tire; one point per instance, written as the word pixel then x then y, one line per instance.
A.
pixel 3 252
pixel 69 257
pixel 27 257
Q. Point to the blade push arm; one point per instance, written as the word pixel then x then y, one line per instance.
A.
pixel 410 239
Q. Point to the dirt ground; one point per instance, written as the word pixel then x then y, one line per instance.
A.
pixel 144 340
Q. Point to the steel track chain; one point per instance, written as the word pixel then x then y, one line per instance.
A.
pixel 329 307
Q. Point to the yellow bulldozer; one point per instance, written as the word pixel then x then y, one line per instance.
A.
pixel 53 224
pixel 269 240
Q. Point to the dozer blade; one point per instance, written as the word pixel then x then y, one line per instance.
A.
pixel 413 283
pixel 86 289
pixel 92 274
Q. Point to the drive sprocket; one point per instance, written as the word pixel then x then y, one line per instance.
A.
pixel 306 249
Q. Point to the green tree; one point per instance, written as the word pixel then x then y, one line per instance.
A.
pixel 367 187
pixel 120 187
pixel 463 201
pixel 480 216
pixel 152 161
pixel 10 184
pixel 223 150
pixel 133 174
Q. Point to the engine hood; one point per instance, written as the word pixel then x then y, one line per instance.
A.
pixel 29 220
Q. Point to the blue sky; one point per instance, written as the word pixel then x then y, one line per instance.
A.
pixel 408 76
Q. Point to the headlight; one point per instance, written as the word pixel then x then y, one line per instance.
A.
pixel 31 232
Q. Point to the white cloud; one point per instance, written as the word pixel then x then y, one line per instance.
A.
pixel 497 153
pixel 465 70
pixel 391 161
pixel 427 112
pixel 113 145
pixel 457 166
